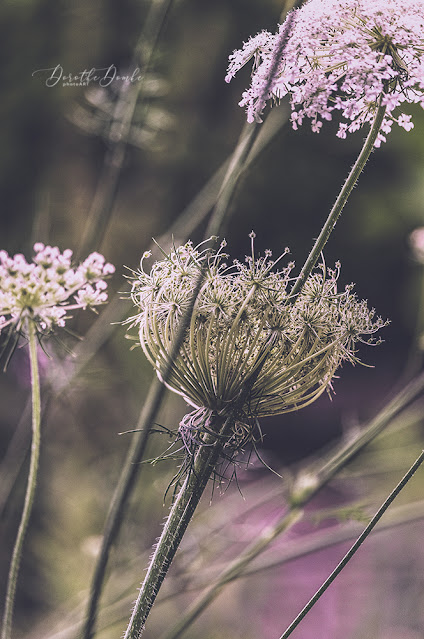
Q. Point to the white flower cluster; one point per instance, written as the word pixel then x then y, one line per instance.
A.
pixel 249 346
pixel 46 289
pixel 345 56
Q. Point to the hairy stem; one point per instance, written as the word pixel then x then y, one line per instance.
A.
pixel 348 556
pixel 31 486
pixel 178 519
pixel 341 200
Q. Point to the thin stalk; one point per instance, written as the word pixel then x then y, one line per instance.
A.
pixel 200 207
pixel 238 163
pixel 31 485
pixel 341 200
pixel 178 519
pixel 348 556
pixel 247 138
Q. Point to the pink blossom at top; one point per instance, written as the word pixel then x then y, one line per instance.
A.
pixel 341 56
pixel 46 289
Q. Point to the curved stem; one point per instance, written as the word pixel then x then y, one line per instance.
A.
pixel 348 556
pixel 341 200
pixel 31 486
pixel 178 519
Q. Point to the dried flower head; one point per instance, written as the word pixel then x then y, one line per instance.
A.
pixel 348 56
pixel 249 348
pixel 46 289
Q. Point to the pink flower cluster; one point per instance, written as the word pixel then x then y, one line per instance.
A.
pixel 45 290
pixel 345 56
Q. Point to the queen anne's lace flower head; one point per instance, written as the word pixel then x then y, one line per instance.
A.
pixel 346 56
pixel 249 346
pixel 45 290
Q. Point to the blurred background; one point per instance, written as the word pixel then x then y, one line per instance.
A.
pixel 109 167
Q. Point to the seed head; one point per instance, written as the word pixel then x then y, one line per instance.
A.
pixel 249 346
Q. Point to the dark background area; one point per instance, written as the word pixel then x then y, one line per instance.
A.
pixel 49 171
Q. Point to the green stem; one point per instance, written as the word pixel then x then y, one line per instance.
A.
pixel 178 519
pixel 238 163
pixel 31 486
pixel 348 556
pixel 341 200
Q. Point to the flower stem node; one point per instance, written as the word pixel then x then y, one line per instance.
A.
pixel 345 56
pixel 251 348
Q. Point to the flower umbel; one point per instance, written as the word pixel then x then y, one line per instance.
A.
pixel 35 297
pixel 250 346
pixel 46 289
pixel 349 56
